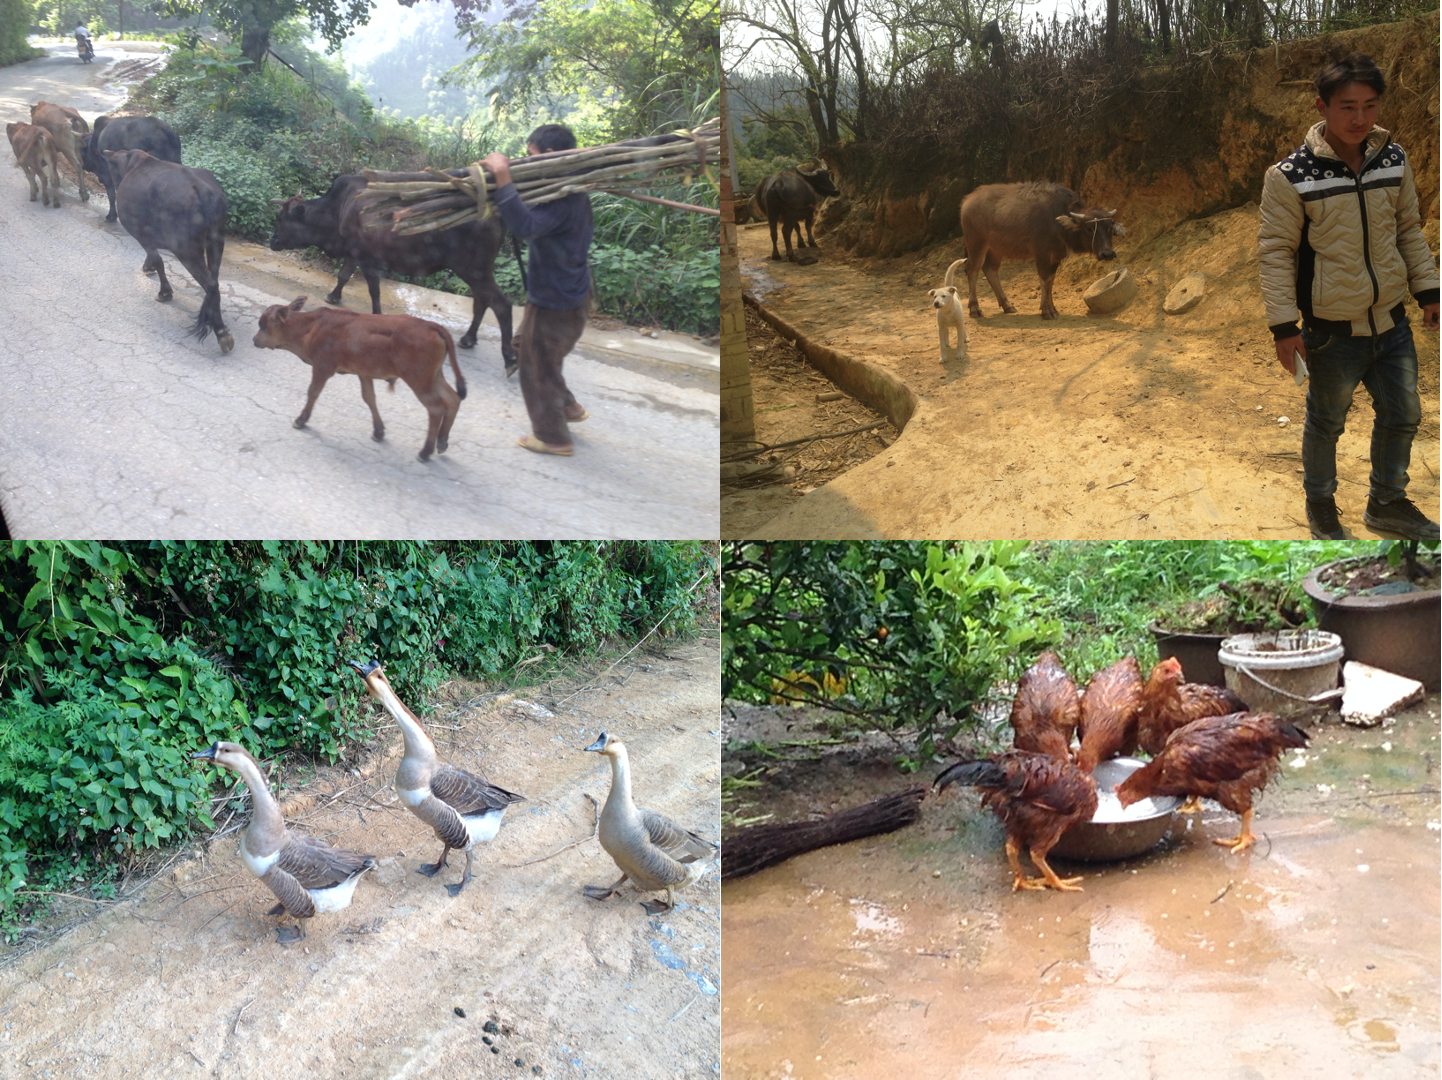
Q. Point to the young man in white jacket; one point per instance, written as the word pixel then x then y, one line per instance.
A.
pixel 1341 241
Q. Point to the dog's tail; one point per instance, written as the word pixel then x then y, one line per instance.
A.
pixel 951 271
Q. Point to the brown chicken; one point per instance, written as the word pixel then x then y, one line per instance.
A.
pixel 1046 710
pixel 1228 758
pixel 1169 703
pixel 1109 713
pixel 1037 799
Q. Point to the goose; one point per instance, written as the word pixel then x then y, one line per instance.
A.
pixel 651 850
pixel 308 876
pixel 459 805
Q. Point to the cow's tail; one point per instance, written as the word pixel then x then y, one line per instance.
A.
pixel 451 352
pixel 211 304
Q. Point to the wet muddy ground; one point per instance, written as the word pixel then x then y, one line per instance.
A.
pixel 1314 955
pixel 1139 425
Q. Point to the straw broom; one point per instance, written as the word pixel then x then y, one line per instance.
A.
pixel 410 203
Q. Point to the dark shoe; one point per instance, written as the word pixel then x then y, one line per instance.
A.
pixel 1400 518
pixel 1322 519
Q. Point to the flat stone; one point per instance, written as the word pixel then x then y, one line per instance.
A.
pixel 1371 695
pixel 1186 294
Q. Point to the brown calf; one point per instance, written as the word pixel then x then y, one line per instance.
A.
pixel 336 340
pixel 35 150
pixel 63 122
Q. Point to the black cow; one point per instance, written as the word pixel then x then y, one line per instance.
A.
pixel 790 197
pixel 332 223
pixel 164 205
pixel 126 133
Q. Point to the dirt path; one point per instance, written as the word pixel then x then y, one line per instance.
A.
pixel 188 981
pixel 1314 955
pixel 1139 426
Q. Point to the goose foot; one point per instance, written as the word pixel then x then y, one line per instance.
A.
pixel 598 892
pixel 656 907
pixel 455 890
pixel 288 935
pixel 279 909
pixel 432 871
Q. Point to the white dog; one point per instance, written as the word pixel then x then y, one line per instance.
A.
pixel 950 313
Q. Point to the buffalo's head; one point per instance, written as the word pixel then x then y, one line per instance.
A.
pixel 820 182
pixel 123 161
pixel 291 228
pixel 1091 230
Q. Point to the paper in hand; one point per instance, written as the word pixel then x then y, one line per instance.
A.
pixel 1301 376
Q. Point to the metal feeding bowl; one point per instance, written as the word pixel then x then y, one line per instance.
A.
pixel 1114 832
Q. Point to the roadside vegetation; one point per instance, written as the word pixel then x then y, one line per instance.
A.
pixel 919 639
pixel 120 660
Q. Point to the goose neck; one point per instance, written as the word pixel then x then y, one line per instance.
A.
pixel 420 751
pixel 266 823
pixel 620 777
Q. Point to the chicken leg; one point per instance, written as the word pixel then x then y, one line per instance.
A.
pixel 1049 878
pixel 1245 839
pixel 1193 805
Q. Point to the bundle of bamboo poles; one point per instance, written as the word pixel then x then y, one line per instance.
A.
pixel 420 202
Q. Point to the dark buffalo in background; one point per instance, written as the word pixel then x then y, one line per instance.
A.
pixel 332 223
pixel 790 198
pixel 146 133
pixel 164 205
pixel 1034 220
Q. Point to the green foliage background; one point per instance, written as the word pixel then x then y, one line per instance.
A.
pixel 119 660
pixel 15 18
pixel 924 633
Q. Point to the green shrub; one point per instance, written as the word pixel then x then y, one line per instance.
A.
pixel 249 180
pixel 117 661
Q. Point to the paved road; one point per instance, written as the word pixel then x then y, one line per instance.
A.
pixel 114 423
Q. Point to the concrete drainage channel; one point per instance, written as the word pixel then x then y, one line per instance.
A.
pixel 870 385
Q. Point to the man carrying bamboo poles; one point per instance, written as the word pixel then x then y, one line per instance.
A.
pixel 557 295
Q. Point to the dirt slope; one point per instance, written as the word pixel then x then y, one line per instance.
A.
pixel 190 982
pixel 1141 425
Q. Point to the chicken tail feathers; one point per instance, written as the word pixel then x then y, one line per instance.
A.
pixel 1292 735
pixel 972 773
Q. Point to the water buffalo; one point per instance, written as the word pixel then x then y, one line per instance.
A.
pixel 146 133
pixel 1034 220
pixel 164 205
pixel 332 223
pixel 790 197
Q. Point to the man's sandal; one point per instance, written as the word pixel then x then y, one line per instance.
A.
pixel 530 442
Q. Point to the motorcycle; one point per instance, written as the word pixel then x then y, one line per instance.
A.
pixel 85 50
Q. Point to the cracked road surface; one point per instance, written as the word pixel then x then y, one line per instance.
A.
pixel 115 423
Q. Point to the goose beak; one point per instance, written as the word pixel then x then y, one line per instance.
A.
pixel 208 754
pixel 599 745
pixel 365 670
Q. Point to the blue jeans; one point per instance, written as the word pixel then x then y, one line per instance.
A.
pixel 1387 366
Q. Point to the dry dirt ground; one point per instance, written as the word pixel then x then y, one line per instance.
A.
pixel 1314 955
pixel 188 980
pixel 1140 425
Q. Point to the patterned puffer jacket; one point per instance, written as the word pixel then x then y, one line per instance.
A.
pixel 1345 249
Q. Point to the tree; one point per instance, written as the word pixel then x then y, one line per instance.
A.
pixel 251 21
pixel 648 62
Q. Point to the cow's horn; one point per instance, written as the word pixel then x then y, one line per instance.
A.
pixel 1117 230
pixel 1112 213
pixel 1079 217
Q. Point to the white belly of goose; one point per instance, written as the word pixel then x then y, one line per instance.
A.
pixel 257 864
pixel 335 897
pixel 484 826
pixel 413 797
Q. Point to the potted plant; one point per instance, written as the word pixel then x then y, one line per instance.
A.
pixel 1193 630
pixel 1385 607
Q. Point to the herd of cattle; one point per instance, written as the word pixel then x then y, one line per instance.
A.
pixel 1034 220
pixel 163 203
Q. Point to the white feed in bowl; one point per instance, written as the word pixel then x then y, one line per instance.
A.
pixel 1110 809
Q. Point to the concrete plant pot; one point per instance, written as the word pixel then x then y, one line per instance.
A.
pixel 1397 633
